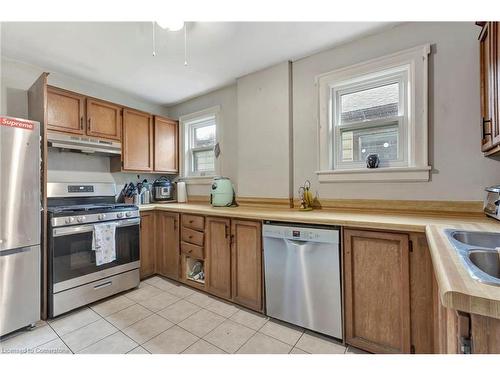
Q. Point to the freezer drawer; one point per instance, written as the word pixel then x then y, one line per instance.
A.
pixel 19 288
pixel 303 284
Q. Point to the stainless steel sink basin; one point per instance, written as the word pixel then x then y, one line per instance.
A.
pixel 478 251
pixel 478 239
pixel 486 261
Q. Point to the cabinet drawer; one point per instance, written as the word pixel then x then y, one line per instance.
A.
pixel 192 236
pixel 193 222
pixel 193 251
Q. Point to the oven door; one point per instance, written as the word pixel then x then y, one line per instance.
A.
pixel 73 261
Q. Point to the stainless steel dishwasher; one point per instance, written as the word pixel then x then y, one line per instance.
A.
pixel 302 275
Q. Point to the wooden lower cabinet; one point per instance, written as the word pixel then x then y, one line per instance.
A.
pixel 147 251
pixel 377 291
pixel 218 256
pixel 246 261
pixel 167 244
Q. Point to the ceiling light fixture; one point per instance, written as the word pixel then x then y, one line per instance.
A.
pixel 171 25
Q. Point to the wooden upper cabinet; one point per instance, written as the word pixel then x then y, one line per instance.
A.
pixel 218 256
pixel 246 258
pixel 65 111
pixel 137 143
pixel 166 136
pixel 377 291
pixel 167 244
pixel 148 250
pixel 487 66
pixel 103 119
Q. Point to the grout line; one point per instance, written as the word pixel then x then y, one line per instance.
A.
pixel 295 345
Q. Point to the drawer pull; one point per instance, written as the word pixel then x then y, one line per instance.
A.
pixel 190 221
pixel 104 285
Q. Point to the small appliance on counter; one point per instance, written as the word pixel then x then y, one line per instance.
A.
pixel 492 201
pixel 222 193
pixel 163 190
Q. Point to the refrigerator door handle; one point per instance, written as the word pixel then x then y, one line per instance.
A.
pixel 4 253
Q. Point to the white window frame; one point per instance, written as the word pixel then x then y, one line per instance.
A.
pixel 188 123
pixel 410 69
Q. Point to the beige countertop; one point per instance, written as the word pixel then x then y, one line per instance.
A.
pixel 457 289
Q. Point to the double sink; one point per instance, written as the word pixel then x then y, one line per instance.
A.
pixel 480 252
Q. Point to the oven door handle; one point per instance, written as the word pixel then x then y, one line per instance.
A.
pixel 65 231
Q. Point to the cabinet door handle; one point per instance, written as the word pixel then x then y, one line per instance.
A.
pixel 175 224
pixel 483 131
pixel 88 128
pixel 227 232
pixel 81 123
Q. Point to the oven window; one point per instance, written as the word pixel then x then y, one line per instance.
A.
pixel 72 254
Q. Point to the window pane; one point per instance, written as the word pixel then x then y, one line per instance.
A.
pixel 375 103
pixel 203 161
pixel 358 144
pixel 204 136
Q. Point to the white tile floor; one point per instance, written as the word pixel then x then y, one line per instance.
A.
pixel 162 316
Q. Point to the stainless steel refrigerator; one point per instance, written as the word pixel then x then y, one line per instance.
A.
pixel 20 265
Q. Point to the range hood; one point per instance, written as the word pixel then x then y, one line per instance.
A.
pixel 83 144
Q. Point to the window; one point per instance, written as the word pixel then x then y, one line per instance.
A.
pixel 370 117
pixel 377 107
pixel 200 140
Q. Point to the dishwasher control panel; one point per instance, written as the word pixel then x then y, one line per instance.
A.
pixel 301 233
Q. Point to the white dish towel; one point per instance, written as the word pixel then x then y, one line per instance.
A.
pixel 103 243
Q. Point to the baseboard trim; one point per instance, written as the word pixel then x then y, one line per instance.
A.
pixel 420 207
pixel 416 207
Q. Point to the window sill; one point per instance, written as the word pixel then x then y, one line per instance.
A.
pixel 197 180
pixel 412 174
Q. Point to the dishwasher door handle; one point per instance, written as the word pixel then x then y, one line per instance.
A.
pixel 296 242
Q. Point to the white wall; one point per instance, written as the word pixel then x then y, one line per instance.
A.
pixel 263 133
pixel 460 172
pixel 16 78
pixel 227 100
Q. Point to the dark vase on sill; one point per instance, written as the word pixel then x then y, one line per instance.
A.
pixel 372 161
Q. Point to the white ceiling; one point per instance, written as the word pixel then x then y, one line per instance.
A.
pixel 119 54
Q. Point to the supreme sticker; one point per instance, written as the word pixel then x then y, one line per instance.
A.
pixel 14 123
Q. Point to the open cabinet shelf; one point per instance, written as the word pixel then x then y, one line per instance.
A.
pixel 192 268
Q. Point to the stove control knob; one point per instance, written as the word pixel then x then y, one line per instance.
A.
pixel 119 215
pixel 101 216
pixel 80 219
pixel 128 214
pixel 69 220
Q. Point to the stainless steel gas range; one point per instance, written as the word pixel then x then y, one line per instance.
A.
pixel 75 279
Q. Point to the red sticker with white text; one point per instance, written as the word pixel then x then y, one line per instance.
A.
pixel 14 123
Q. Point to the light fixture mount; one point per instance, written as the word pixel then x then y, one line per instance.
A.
pixel 171 25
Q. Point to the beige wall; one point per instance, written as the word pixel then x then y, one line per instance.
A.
pixel 255 122
pixel 263 133
pixel 460 172
pixel 259 158
pixel 16 78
